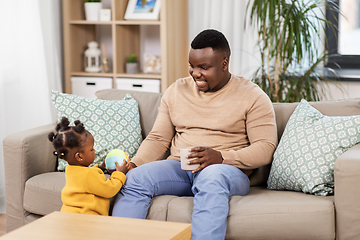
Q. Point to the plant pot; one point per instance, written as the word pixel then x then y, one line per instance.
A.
pixel 92 10
pixel 132 68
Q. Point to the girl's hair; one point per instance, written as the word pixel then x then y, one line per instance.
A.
pixel 67 137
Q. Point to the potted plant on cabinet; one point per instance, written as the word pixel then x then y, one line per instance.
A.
pixel 92 9
pixel 132 64
pixel 290 59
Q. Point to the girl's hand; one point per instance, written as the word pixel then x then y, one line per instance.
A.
pixel 102 166
pixel 124 168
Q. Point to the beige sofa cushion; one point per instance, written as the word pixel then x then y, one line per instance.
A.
pixel 43 193
pixel 346 107
pixel 277 215
pixel 281 215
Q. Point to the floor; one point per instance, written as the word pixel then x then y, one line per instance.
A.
pixel 2 224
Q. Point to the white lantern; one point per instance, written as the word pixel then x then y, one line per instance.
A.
pixel 92 57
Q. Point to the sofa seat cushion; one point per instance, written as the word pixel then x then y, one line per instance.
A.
pixel 43 193
pixel 158 209
pixel 276 215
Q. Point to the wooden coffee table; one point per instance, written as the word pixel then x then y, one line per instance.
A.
pixel 68 226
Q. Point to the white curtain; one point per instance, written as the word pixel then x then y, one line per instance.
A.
pixel 228 17
pixel 30 66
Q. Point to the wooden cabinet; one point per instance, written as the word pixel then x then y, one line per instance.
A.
pixel 124 38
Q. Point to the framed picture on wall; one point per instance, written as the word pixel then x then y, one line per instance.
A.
pixel 142 10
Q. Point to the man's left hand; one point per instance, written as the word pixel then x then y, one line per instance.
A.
pixel 205 156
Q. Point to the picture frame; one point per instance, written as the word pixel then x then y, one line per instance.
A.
pixel 142 10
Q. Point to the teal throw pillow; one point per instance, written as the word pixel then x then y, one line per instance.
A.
pixel 311 142
pixel 114 124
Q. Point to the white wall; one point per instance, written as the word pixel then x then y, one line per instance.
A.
pixel 342 90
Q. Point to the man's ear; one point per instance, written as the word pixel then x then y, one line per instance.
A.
pixel 225 64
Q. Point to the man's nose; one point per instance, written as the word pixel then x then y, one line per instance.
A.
pixel 196 72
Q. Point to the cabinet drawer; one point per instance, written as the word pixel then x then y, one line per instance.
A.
pixel 138 84
pixel 87 86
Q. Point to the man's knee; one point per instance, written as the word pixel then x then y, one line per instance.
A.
pixel 136 175
pixel 213 174
pixel 217 171
pixel 221 176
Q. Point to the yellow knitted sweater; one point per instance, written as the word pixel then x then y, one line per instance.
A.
pixel 88 191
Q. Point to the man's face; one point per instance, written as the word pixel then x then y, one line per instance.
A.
pixel 208 69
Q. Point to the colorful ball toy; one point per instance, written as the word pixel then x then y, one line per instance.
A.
pixel 113 156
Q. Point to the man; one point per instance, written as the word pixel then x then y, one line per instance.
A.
pixel 230 122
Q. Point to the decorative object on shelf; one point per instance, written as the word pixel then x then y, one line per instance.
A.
pixel 142 10
pixel 92 57
pixel 132 64
pixel 152 64
pixel 105 60
pixel 92 10
pixel 105 15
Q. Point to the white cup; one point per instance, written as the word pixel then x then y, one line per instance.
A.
pixel 184 152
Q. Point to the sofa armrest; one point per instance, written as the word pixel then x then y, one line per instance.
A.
pixel 26 154
pixel 347 194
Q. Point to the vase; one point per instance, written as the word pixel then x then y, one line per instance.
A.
pixel 132 68
pixel 92 11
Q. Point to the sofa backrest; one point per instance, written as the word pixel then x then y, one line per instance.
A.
pixel 149 103
pixel 346 107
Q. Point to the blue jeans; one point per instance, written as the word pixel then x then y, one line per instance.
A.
pixel 210 187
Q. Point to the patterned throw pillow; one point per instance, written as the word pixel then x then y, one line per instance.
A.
pixel 114 124
pixel 311 142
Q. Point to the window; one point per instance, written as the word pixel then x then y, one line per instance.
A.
pixel 343 39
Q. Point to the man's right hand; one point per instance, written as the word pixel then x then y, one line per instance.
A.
pixel 132 166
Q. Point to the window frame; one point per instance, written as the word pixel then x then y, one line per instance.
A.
pixel 336 60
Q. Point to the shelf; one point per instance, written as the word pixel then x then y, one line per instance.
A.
pixel 140 75
pixel 166 37
pixel 133 22
pixel 84 22
pixel 88 74
pixel 123 22
pixel 124 75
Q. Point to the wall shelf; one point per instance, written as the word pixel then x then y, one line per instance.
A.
pixel 124 37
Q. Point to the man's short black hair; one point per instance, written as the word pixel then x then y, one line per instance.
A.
pixel 211 38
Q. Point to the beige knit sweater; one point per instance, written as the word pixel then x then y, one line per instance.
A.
pixel 238 120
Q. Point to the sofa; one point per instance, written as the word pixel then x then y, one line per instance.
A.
pixel 33 186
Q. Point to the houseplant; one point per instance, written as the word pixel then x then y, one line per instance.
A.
pixel 92 9
pixel 132 64
pixel 290 33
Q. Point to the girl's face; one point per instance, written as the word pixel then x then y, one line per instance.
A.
pixel 87 152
